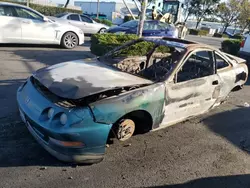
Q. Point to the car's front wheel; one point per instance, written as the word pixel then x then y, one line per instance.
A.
pixel 125 129
pixel 103 30
pixel 69 40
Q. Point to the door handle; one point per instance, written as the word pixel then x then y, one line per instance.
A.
pixel 215 82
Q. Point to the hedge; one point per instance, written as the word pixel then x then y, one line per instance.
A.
pixel 46 10
pixel 198 32
pixel 103 43
pixel 231 46
pixel 104 21
pixel 219 35
pixel 238 36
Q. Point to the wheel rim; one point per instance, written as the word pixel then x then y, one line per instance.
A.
pixel 102 30
pixel 125 130
pixel 70 40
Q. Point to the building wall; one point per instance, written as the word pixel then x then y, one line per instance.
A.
pixel 107 8
pixel 91 7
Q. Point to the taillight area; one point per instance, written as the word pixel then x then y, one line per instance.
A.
pixel 242 43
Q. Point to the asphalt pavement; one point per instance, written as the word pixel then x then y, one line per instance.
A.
pixel 211 150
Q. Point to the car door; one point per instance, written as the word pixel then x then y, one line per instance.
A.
pixel 90 26
pixel 10 25
pixel 74 19
pixel 34 29
pixel 194 89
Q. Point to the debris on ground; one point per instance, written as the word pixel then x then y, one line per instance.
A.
pixel 127 145
pixel 70 177
pixel 246 105
pixel 43 168
pixel 107 145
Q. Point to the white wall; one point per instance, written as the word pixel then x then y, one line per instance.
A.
pixel 91 7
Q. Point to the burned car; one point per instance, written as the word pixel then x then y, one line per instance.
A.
pixel 71 108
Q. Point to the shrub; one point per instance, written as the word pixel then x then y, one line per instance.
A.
pixel 103 43
pixel 231 46
pixel 46 10
pixel 219 35
pixel 198 32
pixel 238 36
pixel 104 21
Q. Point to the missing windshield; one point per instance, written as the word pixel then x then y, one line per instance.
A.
pixel 145 59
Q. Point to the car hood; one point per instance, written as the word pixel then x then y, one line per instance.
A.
pixel 78 79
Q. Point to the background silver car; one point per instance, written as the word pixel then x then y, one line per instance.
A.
pixel 85 23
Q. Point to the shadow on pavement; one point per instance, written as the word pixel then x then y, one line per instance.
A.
pixel 233 126
pixel 50 57
pixel 30 45
pixel 237 181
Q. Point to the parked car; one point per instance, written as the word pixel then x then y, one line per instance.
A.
pixel 71 108
pixel 100 16
pixel 20 24
pixel 230 35
pixel 151 28
pixel 245 48
pixel 85 23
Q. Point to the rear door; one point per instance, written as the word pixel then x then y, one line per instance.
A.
pixel 10 25
pixel 89 25
pixel 74 19
pixel 194 89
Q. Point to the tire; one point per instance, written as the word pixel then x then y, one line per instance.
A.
pixel 125 129
pixel 69 40
pixel 102 30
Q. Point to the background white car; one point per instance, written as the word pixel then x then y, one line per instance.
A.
pixel 20 24
pixel 85 23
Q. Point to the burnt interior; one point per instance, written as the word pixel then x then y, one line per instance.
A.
pixel 153 65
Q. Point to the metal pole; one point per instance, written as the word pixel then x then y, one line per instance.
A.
pixel 128 9
pixel 97 14
pixel 142 17
pixel 28 3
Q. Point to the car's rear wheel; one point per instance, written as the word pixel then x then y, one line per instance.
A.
pixel 69 40
pixel 103 30
pixel 125 129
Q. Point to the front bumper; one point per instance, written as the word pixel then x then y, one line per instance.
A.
pixel 93 135
pixel 76 158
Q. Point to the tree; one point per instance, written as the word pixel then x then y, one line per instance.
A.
pixel 144 4
pixel 228 12
pixel 187 9
pixel 202 8
pixel 66 4
pixel 244 15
